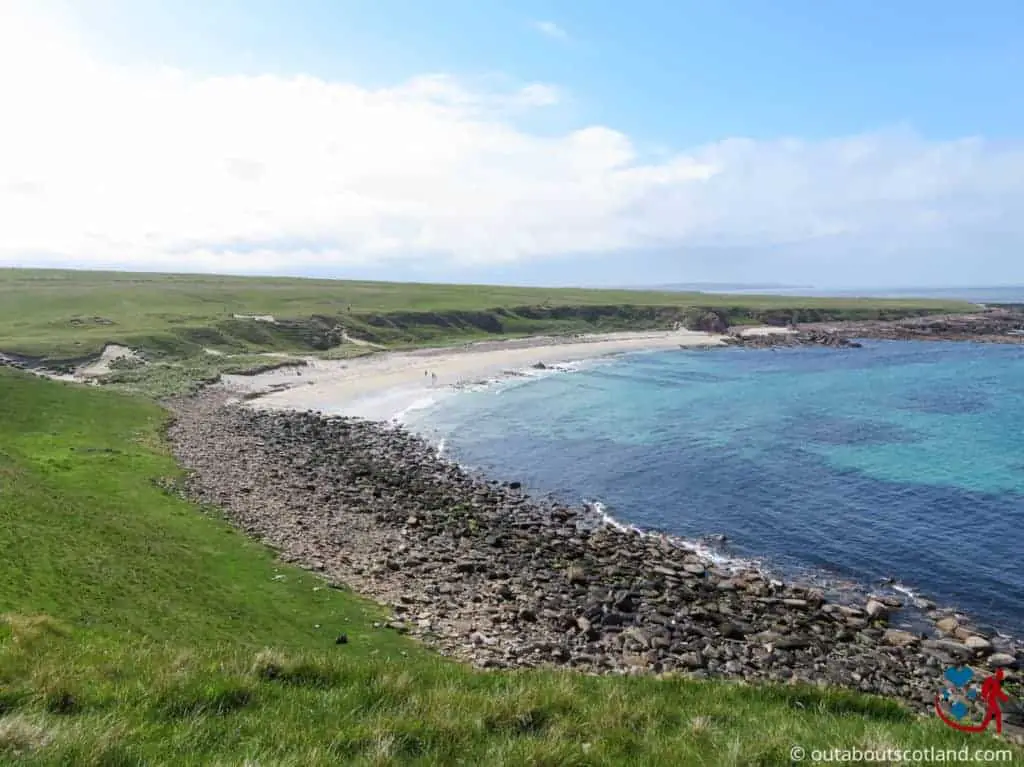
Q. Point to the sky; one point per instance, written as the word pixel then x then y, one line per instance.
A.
pixel 582 142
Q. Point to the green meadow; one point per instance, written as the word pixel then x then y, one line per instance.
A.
pixel 72 315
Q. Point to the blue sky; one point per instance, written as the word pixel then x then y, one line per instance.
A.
pixel 678 72
pixel 839 144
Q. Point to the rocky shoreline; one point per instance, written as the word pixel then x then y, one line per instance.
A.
pixel 1003 325
pixel 488 574
pixel 813 337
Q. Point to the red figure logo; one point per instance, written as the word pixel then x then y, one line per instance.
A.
pixel 992 696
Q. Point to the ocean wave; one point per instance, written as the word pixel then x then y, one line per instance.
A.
pixel 424 403
pixel 524 376
pixel 707 552
pixel 810 472
pixel 912 594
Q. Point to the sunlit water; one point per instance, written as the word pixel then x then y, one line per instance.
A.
pixel 898 459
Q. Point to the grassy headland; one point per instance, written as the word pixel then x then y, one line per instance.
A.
pixel 140 629
pixel 69 315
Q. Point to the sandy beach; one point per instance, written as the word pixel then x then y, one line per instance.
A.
pixel 381 386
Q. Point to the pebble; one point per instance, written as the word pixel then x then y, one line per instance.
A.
pixel 487 573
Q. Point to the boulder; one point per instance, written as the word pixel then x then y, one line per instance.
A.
pixel 947 625
pixel 948 647
pixel 898 638
pixel 709 322
pixel 876 610
pixel 693 660
pixel 1002 660
pixel 978 644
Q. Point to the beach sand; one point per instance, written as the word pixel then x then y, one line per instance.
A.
pixel 382 386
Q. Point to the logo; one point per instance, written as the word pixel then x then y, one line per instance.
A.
pixel 968 707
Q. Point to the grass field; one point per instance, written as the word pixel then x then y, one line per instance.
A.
pixel 140 629
pixel 70 315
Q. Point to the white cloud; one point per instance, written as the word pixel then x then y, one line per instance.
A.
pixel 551 29
pixel 165 169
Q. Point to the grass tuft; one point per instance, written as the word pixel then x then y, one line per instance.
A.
pixel 20 735
pixel 837 702
pixel 269 664
pixel 198 698
pixel 274 666
pixel 26 632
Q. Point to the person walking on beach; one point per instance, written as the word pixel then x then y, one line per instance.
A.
pixel 433 379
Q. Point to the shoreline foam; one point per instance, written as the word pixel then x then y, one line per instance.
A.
pixel 346 388
pixel 378 386
pixel 485 572
pixel 373 389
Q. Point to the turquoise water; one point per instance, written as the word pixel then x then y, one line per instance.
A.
pixel 896 460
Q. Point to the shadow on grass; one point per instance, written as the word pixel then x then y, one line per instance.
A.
pixel 532 721
pixel 272 666
pixel 213 699
pixel 835 701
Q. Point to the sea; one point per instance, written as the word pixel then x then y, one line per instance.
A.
pixel 1005 294
pixel 899 463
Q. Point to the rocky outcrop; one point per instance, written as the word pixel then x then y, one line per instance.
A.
pixel 708 322
pixel 486 573
pixel 813 337
pixel 11 361
pixel 993 326
pixel 36 365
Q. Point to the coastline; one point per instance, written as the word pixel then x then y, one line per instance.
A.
pixel 483 572
pixel 386 387
pixel 477 568
pixel 381 385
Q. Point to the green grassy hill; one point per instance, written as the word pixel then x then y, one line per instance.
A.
pixel 67 315
pixel 140 629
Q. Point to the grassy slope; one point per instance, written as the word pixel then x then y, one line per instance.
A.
pixel 54 313
pixel 154 648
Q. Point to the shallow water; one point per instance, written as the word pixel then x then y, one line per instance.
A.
pixel 898 459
